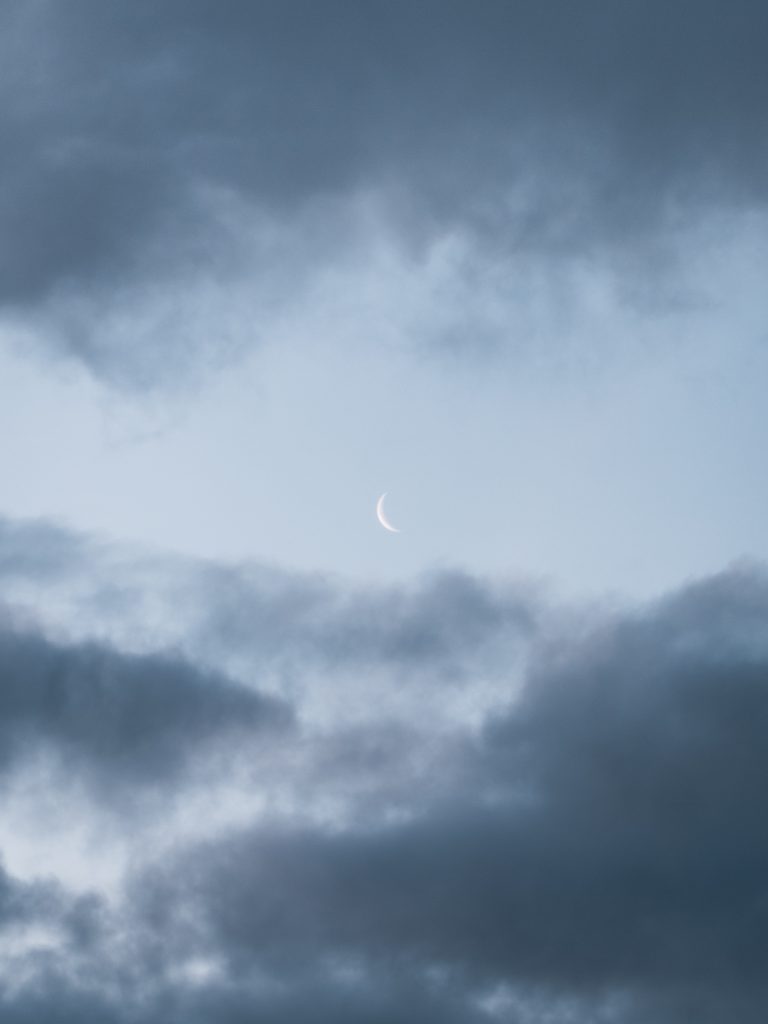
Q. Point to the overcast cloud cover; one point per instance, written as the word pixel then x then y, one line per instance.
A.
pixel 165 161
pixel 261 760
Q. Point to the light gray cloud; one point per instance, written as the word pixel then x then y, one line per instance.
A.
pixel 39 551
pixel 306 637
pixel 448 626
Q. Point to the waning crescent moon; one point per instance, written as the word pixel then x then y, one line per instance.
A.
pixel 382 518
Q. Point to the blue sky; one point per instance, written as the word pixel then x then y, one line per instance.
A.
pixel 591 440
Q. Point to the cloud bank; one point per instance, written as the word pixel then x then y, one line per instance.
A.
pixel 587 846
pixel 167 164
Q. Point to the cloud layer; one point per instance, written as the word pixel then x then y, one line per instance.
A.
pixel 166 157
pixel 589 848
pixel 238 792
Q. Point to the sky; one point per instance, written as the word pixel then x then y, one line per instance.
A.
pixel 262 759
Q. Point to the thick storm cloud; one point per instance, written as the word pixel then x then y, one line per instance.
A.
pixel 595 851
pixel 611 838
pixel 142 141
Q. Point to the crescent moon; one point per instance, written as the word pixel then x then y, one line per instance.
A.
pixel 382 517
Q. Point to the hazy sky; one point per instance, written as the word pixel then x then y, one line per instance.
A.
pixel 263 760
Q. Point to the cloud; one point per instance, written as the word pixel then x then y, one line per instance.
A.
pixel 157 155
pixel 38 551
pixel 587 845
pixel 608 840
pixel 120 720
pixel 442 626
pixel 306 637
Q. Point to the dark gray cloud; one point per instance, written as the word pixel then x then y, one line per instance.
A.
pixel 609 837
pixel 315 1000
pixel 593 851
pixel 119 719
pixel 122 122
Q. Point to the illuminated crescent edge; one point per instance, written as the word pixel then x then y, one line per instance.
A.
pixel 382 518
